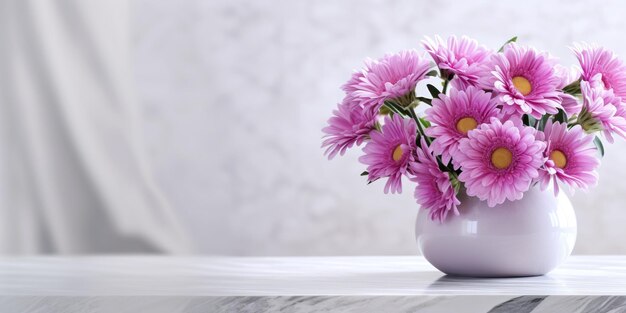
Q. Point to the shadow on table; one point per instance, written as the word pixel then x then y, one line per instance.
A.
pixel 513 285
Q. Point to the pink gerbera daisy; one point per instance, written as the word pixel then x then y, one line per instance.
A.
pixel 434 191
pixel 389 152
pixel 571 157
pixel 392 77
pixel 601 68
pixel 453 116
pixel 602 111
pixel 462 57
pixel 499 161
pixel 350 125
pixel 525 81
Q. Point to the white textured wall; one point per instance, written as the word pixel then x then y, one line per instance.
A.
pixel 234 93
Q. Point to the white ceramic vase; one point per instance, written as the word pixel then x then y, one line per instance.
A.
pixel 528 237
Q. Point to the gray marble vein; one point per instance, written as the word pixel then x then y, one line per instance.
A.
pixel 404 304
pixel 302 304
pixel 524 304
pixel 294 304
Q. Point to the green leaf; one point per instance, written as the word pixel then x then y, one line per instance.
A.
pixel 599 145
pixel 365 173
pixel 560 117
pixel 433 73
pixel 425 100
pixel 424 122
pixel 433 91
pixel 371 181
pixel 543 121
pixel 514 39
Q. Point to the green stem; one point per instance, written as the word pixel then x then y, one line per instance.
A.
pixel 445 85
pixel 419 125
pixel 447 166
pixel 428 141
pixel 395 108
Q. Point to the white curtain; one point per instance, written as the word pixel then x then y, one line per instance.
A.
pixel 72 180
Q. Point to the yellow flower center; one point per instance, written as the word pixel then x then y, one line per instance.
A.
pixel 501 158
pixel 522 85
pixel 559 158
pixel 466 124
pixel 397 153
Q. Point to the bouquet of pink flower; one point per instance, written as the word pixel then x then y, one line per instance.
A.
pixel 501 121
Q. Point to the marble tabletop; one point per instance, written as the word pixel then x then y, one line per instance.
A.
pixel 230 284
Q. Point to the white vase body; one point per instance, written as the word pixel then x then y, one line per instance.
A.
pixel 527 237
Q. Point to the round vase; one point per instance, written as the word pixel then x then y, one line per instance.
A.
pixel 527 237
